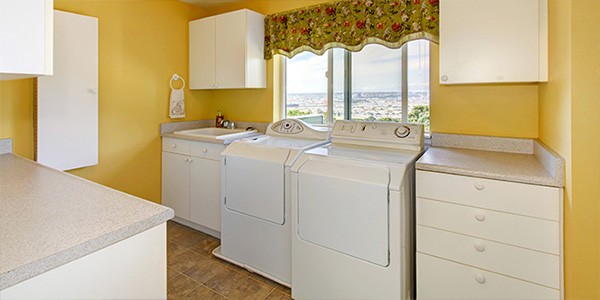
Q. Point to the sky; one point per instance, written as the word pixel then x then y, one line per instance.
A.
pixel 374 69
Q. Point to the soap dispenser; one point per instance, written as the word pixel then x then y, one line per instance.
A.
pixel 219 119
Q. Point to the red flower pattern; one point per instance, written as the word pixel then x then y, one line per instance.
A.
pixel 349 22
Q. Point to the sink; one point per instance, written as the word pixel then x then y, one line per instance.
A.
pixel 217 133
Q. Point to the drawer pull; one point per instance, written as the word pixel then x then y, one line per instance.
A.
pixel 479 217
pixel 174 146
pixel 186 159
pixel 479 186
pixel 479 246
pixel 204 150
pixel 480 278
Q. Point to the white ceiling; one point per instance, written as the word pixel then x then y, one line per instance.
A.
pixel 211 3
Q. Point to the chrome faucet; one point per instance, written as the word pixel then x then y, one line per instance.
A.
pixel 228 124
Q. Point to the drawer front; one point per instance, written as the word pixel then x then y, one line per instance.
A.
pixel 207 150
pixel 525 199
pixel 533 266
pixel 442 279
pixel 532 233
pixel 176 146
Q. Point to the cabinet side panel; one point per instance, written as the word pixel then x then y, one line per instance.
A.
pixel 202 53
pixel 230 40
pixel 256 65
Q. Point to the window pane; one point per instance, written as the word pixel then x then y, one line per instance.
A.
pixel 338 83
pixel 377 84
pixel 418 82
pixel 306 87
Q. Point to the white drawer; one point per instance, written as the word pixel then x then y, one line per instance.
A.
pixel 442 279
pixel 534 266
pixel 532 233
pixel 176 146
pixel 207 150
pixel 525 199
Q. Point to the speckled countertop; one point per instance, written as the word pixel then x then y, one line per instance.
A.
pixel 508 159
pixel 49 218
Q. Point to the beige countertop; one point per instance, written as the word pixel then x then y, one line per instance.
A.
pixel 508 159
pixel 49 218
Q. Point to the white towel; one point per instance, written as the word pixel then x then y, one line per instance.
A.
pixel 176 104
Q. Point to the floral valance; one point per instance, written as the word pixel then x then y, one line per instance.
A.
pixel 351 25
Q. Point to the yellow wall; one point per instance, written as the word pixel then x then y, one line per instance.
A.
pixel 583 215
pixel 141 45
pixel 569 113
pixel 16 115
pixel 501 110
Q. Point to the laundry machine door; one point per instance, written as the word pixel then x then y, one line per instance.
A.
pixel 343 206
pixel 254 181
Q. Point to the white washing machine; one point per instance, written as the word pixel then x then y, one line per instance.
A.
pixel 255 188
pixel 352 213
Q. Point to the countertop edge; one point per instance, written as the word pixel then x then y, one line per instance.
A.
pixel 536 180
pixel 61 258
pixel 197 139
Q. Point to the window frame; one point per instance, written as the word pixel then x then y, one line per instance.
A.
pixel 347 85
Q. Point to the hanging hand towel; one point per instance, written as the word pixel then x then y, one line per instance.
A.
pixel 177 104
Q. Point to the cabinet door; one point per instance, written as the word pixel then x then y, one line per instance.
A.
pixel 491 41
pixel 67 106
pixel 231 57
pixel 205 193
pixel 176 184
pixel 25 38
pixel 202 53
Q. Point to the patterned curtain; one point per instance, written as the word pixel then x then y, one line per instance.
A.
pixel 351 24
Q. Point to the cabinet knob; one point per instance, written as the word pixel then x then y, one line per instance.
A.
pixel 190 159
pixel 480 278
pixel 479 186
pixel 204 150
pixel 444 78
pixel 479 246
pixel 185 159
pixel 174 146
pixel 479 217
pixel 216 85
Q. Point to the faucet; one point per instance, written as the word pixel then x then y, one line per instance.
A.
pixel 228 124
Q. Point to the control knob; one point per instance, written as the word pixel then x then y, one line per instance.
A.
pixel 402 131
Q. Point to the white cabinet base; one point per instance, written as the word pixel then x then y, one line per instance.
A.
pixel 134 268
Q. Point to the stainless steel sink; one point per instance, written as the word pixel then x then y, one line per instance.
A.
pixel 217 133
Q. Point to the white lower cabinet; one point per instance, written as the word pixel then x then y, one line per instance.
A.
pixel 191 181
pixel 484 239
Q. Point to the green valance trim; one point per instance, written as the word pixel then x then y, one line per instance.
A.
pixel 351 25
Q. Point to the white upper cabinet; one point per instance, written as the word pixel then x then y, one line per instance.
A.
pixel 493 41
pixel 26 33
pixel 226 51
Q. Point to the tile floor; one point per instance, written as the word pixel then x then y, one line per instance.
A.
pixel 194 274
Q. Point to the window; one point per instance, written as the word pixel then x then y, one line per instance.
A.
pixel 367 85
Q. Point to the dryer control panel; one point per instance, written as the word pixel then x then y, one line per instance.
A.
pixel 382 134
pixel 295 128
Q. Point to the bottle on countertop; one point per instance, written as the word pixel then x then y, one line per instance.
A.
pixel 219 119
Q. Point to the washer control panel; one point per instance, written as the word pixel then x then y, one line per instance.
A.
pixel 294 128
pixel 388 133
pixel 289 126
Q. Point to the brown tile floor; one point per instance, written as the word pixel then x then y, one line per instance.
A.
pixel 194 274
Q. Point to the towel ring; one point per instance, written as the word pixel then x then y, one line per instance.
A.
pixel 176 77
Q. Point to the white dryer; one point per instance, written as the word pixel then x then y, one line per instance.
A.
pixel 255 190
pixel 352 213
